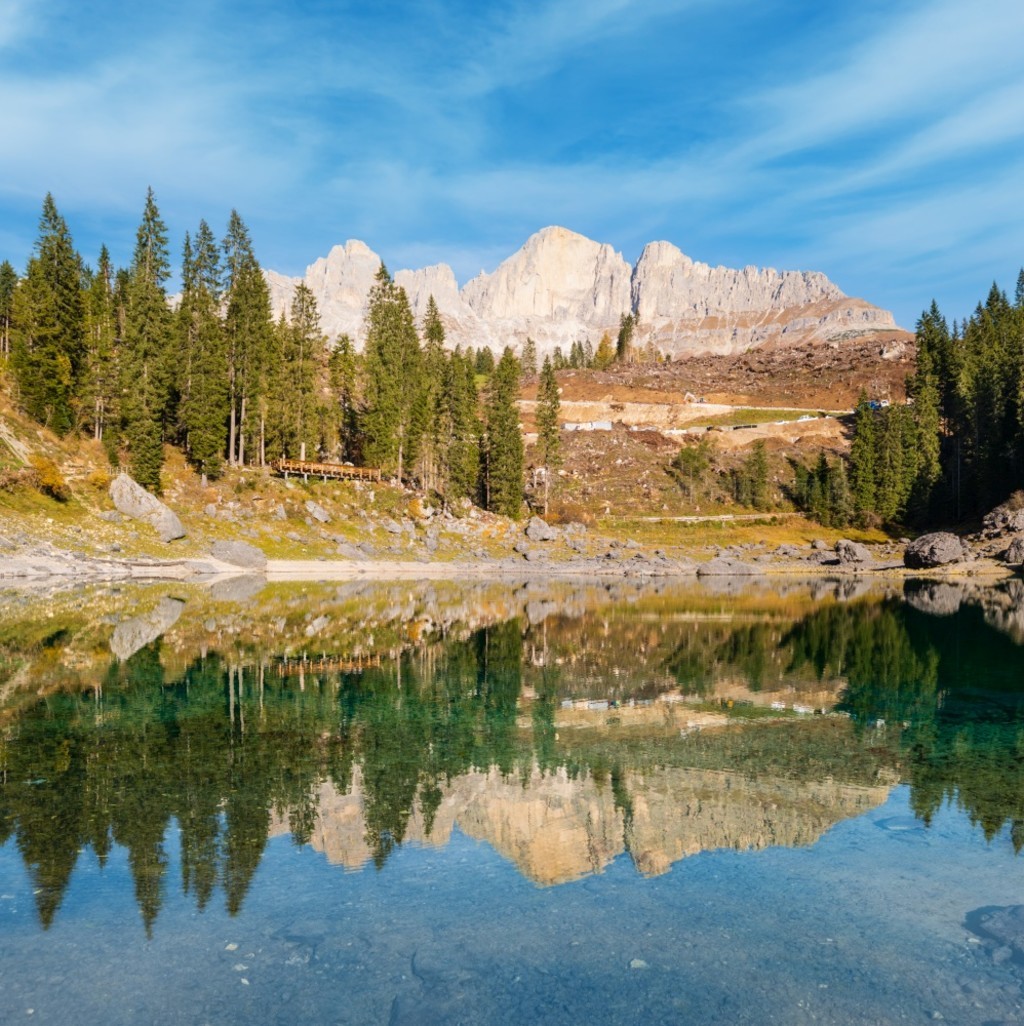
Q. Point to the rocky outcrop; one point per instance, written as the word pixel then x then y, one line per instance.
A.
pixel 562 287
pixel 132 500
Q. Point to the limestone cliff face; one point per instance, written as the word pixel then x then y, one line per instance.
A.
pixel 557 828
pixel 686 306
pixel 561 287
pixel 558 288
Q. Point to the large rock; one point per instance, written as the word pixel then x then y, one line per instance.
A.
pixel 934 550
pixel 853 553
pixel 1015 553
pixel 562 287
pixel 132 500
pixel 540 530
pixel 239 553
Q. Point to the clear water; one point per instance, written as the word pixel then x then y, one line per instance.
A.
pixel 512 804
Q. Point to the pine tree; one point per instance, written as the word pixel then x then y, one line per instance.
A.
pixel 392 372
pixel 8 283
pixel 202 368
pixel 624 344
pixel 48 346
pixel 458 430
pixel 504 440
pixel 485 362
pixel 863 474
pixel 303 377
pixel 529 358
pixel 751 481
pixel 343 374
pixel 248 329
pixel 548 440
pixel 100 377
pixel 148 355
pixel 429 404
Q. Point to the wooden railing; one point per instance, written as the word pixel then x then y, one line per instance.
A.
pixel 336 471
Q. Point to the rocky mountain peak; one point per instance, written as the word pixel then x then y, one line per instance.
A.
pixel 561 287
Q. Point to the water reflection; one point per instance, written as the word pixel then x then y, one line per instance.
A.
pixel 563 726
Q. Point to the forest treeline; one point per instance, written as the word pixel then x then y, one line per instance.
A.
pixel 956 449
pixel 102 350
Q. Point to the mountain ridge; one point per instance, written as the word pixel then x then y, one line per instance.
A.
pixel 560 287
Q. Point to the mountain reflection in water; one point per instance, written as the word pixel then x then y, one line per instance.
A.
pixel 561 726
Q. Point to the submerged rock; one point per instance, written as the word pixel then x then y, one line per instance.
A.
pixel 727 566
pixel 239 553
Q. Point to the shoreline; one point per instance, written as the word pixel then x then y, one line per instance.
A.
pixel 55 565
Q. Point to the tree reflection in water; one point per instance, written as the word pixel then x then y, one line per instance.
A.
pixel 229 747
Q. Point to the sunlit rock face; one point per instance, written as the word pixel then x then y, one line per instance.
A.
pixel 562 287
pixel 559 288
pixel 557 828
pixel 683 306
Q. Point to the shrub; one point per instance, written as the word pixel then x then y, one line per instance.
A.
pixel 48 478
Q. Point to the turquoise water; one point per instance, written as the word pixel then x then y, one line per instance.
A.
pixel 512 805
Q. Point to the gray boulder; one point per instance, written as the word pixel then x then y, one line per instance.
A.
pixel 540 530
pixel 317 512
pixel 1015 553
pixel 932 550
pixel 239 553
pixel 132 500
pixel 850 552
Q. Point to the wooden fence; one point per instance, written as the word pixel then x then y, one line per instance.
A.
pixel 335 471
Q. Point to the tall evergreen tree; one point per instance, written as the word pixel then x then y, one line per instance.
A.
pixel 392 364
pixel 863 474
pixel 459 430
pixel 99 387
pixel 548 438
pixel 343 375
pixel 302 377
pixel 202 368
pixel 429 406
pixel 503 484
pixel 529 358
pixel 248 331
pixel 624 351
pixel 8 283
pixel 48 347
pixel 147 365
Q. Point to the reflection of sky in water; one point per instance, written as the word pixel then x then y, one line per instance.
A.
pixel 605 790
pixel 866 926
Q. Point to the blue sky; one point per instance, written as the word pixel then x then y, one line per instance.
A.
pixel 879 142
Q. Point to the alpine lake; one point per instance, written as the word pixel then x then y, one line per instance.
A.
pixel 512 802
